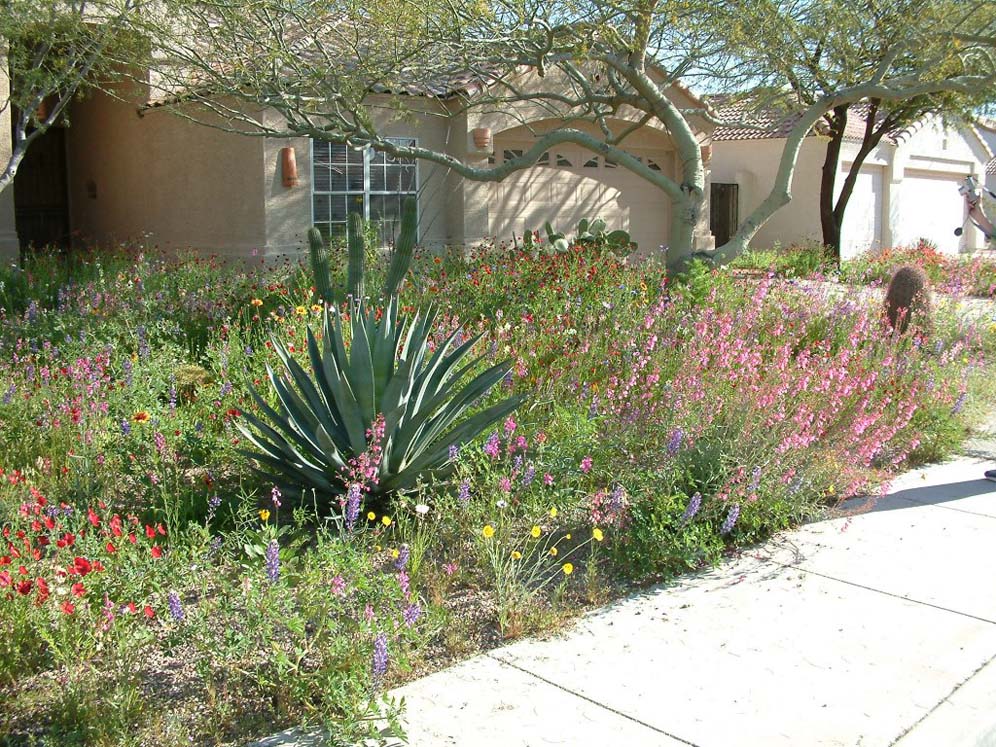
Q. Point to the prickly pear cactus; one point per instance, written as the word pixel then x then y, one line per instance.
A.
pixel 907 300
pixel 319 253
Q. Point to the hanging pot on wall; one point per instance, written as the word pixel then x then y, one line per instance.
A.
pixel 482 138
pixel 288 166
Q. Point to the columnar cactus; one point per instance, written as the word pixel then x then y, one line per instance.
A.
pixel 319 252
pixel 354 240
pixel 908 297
pixel 402 258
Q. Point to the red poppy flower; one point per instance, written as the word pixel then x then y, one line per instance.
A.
pixel 5 560
pixel 111 549
pixel 157 551
pixel 68 608
pixel 77 589
pixel 82 566
pixel 5 579
pixel 49 523
pixel 24 587
pixel 149 532
pixel 132 538
pixel 160 529
pixel 98 566
pixel 42 586
pixel 93 518
pixel 132 608
pixel 149 612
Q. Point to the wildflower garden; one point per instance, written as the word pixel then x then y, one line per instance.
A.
pixel 232 501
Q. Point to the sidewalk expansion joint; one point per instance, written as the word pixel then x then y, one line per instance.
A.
pixel 591 700
pixel 943 700
pixel 885 593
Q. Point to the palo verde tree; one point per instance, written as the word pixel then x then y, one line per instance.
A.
pixel 599 70
pixel 55 50
pixel 813 50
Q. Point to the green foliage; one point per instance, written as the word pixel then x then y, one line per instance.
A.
pixel 401 259
pixel 326 415
pixel 590 233
pixel 318 252
pixel 356 246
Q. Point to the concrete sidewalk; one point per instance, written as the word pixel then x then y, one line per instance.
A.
pixel 872 629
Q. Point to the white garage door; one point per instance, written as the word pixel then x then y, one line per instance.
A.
pixel 862 226
pixel 571 183
pixel 931 208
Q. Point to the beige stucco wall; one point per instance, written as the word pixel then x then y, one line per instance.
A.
pixel 159 180
pixel 753 165
pixel 8 230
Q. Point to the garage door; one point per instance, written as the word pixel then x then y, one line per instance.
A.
pixel 571 183
pixel 931 208
pixel 862 226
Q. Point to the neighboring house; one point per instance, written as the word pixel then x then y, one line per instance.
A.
pixel 906 190
pixel 130 171
pixel 987 129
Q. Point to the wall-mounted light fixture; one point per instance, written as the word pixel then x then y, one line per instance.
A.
pixel 482 138
pixel 288 167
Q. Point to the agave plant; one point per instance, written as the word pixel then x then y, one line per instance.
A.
pixel 323 415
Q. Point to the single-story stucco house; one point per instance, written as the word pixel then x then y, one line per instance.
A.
pixel 129 170
pixel 907 189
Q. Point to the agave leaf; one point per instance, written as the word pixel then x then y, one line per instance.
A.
pixel 316 402
pixel 280 419
pixel 360 372
pixel 338 431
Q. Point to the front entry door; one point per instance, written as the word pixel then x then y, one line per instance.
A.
pixel 41 202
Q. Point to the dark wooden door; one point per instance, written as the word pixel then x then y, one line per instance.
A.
pixel 41 201
pixel 724 211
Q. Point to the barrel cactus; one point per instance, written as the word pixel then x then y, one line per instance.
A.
pixel 907 300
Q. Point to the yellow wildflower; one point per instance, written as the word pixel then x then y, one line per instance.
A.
pixel 371 516
pixel 567 536
pixel 516 554
pixel 554 551
pixel 568 569
pixel 300 310
pixel 264 515
pixel 256 302
pixel 553 512
pixel 385 520
pixel 488 531
pixel 597 534
pixel 395 553
pixel 316 307
pixel 536 531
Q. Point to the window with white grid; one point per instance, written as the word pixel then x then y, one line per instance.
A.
pixel 369 182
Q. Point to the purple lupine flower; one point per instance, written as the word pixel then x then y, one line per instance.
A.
pixel 402 560
pixel 32 312
pixel 593 408
pixel 127 368
pixel 9 394
pixel 175 608
pixel 755 480
pixel 731 519
pixel 674 443
pixel 172 397
pixel 214 502
pixel 404 583
pixel 454 452
pixel 380 655
pixel 528 475
pixel 956 408
pixel 464 494
pixel 216 543
pixel 160 441
pixel 411 614
pixel 143 343
pixel 226 388
pixel 694 504
pixel 353 498
pixel 273 561
pixel 125 427
pixel 275 496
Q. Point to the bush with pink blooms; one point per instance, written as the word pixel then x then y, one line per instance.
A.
pixel 667 423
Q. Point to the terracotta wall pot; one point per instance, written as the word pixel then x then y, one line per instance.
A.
pixel 288 166
pixel 482 138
